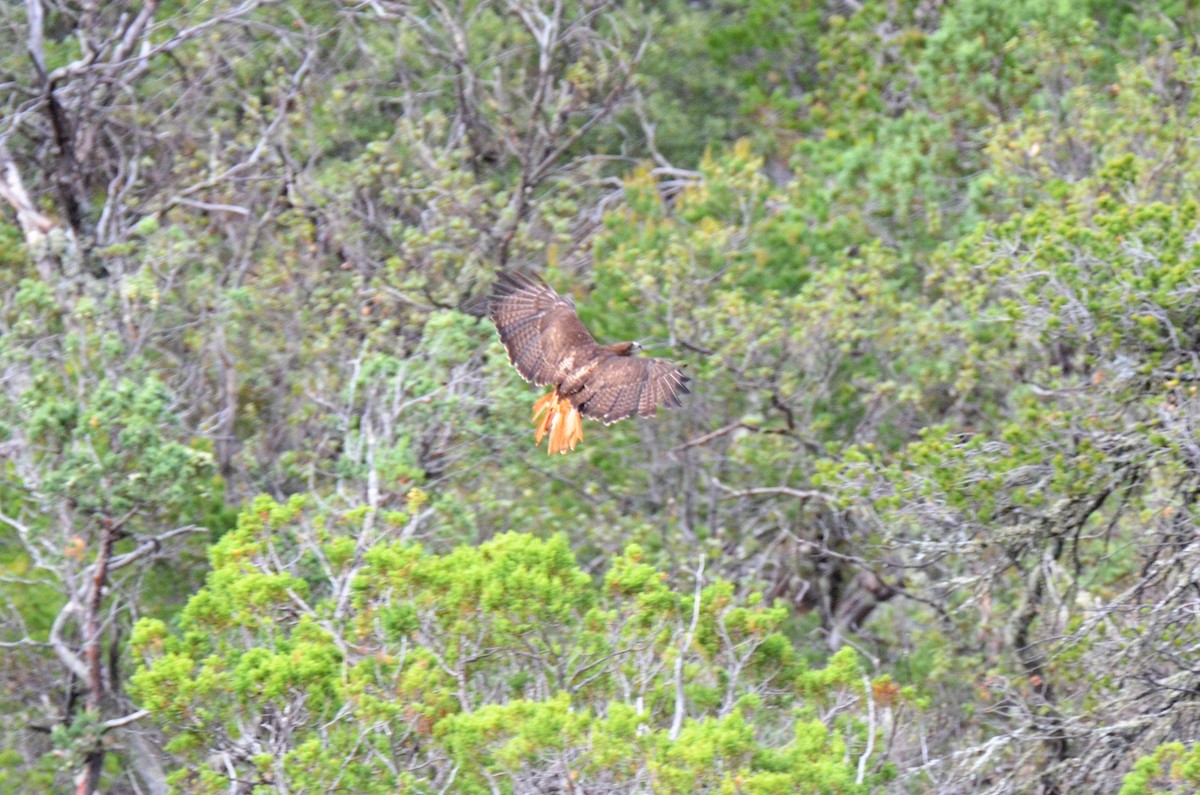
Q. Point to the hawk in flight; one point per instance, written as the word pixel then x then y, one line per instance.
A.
pixel 548 344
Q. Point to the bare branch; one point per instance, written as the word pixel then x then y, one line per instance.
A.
pixel 116 723
pixel 33 224
pixel 680 698
pixel 68 658
pixel 866 754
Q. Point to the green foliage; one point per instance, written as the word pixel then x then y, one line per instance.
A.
pixel 505 657
pixel 932 268
pixel 1171 768
pixel 110 451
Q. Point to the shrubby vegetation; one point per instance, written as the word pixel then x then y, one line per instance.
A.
pixel 306 662
pixel 926 524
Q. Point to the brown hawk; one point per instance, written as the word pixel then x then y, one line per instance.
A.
pixel 548 344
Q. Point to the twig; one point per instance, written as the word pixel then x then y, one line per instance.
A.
pixel 719 432
pixel 801 494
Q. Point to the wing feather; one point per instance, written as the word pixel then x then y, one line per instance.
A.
pixel 622 386
pixel 540 331
pixel 637 397
pixel 606 405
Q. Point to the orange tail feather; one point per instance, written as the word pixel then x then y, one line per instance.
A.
pixel 544 406
pixel 555 415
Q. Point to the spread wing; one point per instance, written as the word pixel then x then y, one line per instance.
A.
pixel 548 344
pixel 621 386
pixel 544 337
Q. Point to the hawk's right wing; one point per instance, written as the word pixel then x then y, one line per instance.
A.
pixel 544 337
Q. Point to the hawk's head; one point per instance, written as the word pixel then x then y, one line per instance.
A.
pixel 624 348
